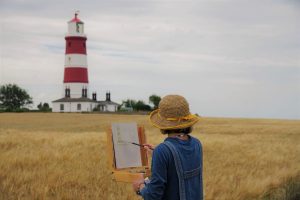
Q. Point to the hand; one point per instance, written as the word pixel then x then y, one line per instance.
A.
pixel 149 147
pixel 137 184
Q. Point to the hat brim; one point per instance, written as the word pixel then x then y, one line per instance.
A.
pixel 164 124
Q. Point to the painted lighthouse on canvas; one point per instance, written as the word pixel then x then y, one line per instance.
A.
pixel 76 81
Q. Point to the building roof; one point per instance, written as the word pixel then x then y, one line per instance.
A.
pixel 107 103
pixel 81 99
pixel 85 99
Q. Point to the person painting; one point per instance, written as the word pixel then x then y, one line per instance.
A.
pixel 177 162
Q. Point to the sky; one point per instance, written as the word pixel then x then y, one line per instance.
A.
pixel 228 58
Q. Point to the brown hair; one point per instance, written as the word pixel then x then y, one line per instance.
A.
pixel 187 130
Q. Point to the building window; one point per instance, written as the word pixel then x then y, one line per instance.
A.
pixel 62 107
pixel 79 106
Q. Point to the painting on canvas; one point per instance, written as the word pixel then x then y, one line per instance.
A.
pixel 126 154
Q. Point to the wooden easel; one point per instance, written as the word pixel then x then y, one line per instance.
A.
pixel 128 174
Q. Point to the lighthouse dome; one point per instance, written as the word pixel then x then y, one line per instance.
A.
pixel 75 19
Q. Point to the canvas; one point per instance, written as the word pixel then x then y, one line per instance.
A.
pixel 126 154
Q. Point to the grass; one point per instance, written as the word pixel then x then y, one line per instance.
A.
pixel 63 156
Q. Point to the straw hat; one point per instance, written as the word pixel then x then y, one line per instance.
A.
pixel 173 113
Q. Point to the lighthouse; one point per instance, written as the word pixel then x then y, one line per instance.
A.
pixel 76 69
pixel 75 79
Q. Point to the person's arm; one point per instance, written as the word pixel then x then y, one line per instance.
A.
pixel 156 188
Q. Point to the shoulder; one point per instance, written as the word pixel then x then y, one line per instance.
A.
pixel 161 151
pixel 195 140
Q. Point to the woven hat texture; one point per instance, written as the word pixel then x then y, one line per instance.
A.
pixel 173 113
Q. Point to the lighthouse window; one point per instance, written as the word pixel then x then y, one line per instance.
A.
pixel 62 107
pixel 77 27
pixel 79 106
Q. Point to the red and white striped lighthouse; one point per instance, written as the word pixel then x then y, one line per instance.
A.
pixel 76 82
pixel 76 68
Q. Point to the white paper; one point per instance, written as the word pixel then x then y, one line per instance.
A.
pixel 126 154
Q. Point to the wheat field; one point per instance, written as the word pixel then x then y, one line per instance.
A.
pixel 63 156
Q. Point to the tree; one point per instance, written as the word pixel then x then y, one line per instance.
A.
pixel 44 107
pixel 13 98
pixel 154 99
pixel 129 103
pixel 141 106
pixel 135 105
pixel 40 106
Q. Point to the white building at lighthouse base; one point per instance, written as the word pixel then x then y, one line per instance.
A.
pixel 73 105
pixel 84 104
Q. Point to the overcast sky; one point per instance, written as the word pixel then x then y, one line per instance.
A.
pixel 229 58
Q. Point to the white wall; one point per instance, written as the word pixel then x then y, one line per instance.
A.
pixel 55 107
pixel 72 106
pixel 85 107
pixel 111 108
pixel 75 60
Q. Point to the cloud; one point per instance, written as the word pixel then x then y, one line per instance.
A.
pixel 229 58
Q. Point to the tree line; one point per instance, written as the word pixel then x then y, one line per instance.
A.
pixel 16 99
pixel 140 105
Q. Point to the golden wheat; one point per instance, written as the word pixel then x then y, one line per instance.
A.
pixel 63 156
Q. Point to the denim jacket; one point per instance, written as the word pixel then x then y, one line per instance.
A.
pixel 165 183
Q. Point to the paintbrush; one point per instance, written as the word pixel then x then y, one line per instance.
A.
pixel 141 145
